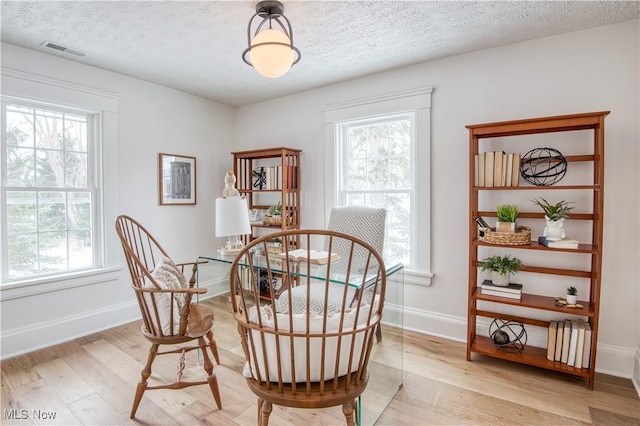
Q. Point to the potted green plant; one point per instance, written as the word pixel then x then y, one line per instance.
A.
pixel 501 268
pixel 506 215
pixel 572 295
pixel 274 215
pixel 554 215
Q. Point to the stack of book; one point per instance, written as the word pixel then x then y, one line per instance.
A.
pixel 570 342
pixel 496 168
pixel 562 243
pixel 512 291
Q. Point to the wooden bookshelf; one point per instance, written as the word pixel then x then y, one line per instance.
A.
pixel 476 343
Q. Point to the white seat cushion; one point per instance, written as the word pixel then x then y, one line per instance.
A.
pixel 167 276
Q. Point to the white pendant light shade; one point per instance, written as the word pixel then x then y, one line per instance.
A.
pixel 271 53
pixel 270 48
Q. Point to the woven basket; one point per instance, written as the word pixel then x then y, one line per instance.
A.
pixel 522 237
pixel 273 220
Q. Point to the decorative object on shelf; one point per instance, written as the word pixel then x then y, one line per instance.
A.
pixel 555 215
pixel 259 178
pixel 274 216
pixel 507 215
pixel 543 166
pixel 271 51
pixel 232 217
pixel 572 295
pixel 508 335
pixel 176 179
pixel 522 237
pixel 501 268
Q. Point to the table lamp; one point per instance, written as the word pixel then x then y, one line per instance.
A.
pixel 232 217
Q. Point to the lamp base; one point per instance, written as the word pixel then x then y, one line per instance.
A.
pixel 224 251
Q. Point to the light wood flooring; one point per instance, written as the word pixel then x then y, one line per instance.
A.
pixel 92 381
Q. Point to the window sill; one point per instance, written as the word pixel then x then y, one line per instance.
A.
pixel 43 285
pixel 417 278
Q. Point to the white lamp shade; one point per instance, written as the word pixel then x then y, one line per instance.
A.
pixel 271 60
pixel 232 217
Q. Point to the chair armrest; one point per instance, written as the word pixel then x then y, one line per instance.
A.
pixel 194 270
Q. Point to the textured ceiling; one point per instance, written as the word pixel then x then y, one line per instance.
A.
pixel 196 46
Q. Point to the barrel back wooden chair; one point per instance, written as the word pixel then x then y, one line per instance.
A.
pixel 307 343
pixel 168 315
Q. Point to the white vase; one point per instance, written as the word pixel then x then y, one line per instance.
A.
pixel 572 299
pixel 554 229
pixel 501 280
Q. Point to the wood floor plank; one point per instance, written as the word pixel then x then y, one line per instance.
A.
pixel 64 380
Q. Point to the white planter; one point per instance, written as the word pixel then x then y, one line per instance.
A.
pixel 500 280
pixel 506 227
pixel 572 299
pixel 554 229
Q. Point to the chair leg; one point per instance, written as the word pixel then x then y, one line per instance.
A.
pixel 348 411
pixel 378 333
pixel 146 373
pixel 214 346
pixel 265 412
pixel 211 376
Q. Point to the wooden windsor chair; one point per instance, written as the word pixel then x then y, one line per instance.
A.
pixel 168 315
pixel 310 347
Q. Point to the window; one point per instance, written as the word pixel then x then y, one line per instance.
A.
pixel 378 153
pixel 49 192
pixel 375 168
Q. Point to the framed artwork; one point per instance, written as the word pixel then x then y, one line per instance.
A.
pixel 176 179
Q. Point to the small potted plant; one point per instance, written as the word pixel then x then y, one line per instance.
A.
pixel 554 215
pixel 572 295
pixel 506 217
pixel 501 268
pixel 274 216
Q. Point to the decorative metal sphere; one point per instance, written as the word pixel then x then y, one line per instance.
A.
pixel 543 166
pixel 507 335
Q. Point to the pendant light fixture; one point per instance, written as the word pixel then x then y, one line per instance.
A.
pixel 271 51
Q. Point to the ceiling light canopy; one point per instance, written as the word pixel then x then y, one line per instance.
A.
pixel 271 51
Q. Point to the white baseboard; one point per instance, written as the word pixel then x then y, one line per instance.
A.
pixel 636 372
pixel 44 334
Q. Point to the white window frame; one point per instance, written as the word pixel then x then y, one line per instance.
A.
pixel 418 102
pixel 41 91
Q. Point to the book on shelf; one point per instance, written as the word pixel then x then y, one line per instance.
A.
pixel 489 168
pixel 580 344
pixel 515 174
pixel 562 243
pixel 497 168
pixel 509 170
pixel 481 171
pixel 475 170
pixel 559 340
pixel 586 352
pixel 313 256
pixel 496 293
pixel 566 338
pixel 511 288
pixel 551 341
pixel 573 344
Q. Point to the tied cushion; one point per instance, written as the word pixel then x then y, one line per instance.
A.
pixel 299 351
pixel 167 276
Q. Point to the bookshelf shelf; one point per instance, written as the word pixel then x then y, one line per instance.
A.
pixel 591 181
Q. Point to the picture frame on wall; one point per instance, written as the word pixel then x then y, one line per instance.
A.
pixel 176 179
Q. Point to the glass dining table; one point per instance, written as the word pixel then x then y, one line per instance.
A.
pixel 386 364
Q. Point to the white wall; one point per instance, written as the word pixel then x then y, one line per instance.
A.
pixel 151 119
pixel 584 71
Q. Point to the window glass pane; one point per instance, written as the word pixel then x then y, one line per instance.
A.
pixel 49 129
pixel 53 251
pixel 49 169
pixel 22 255
pixel 51 211
pixel 20 127
pixel 356 175
pixel 76 170
pixel 399 173
pixel 21 211
pixel 377 173
pixel 20 167
pixel 80 246
pixel 75 133
pixel 79 212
